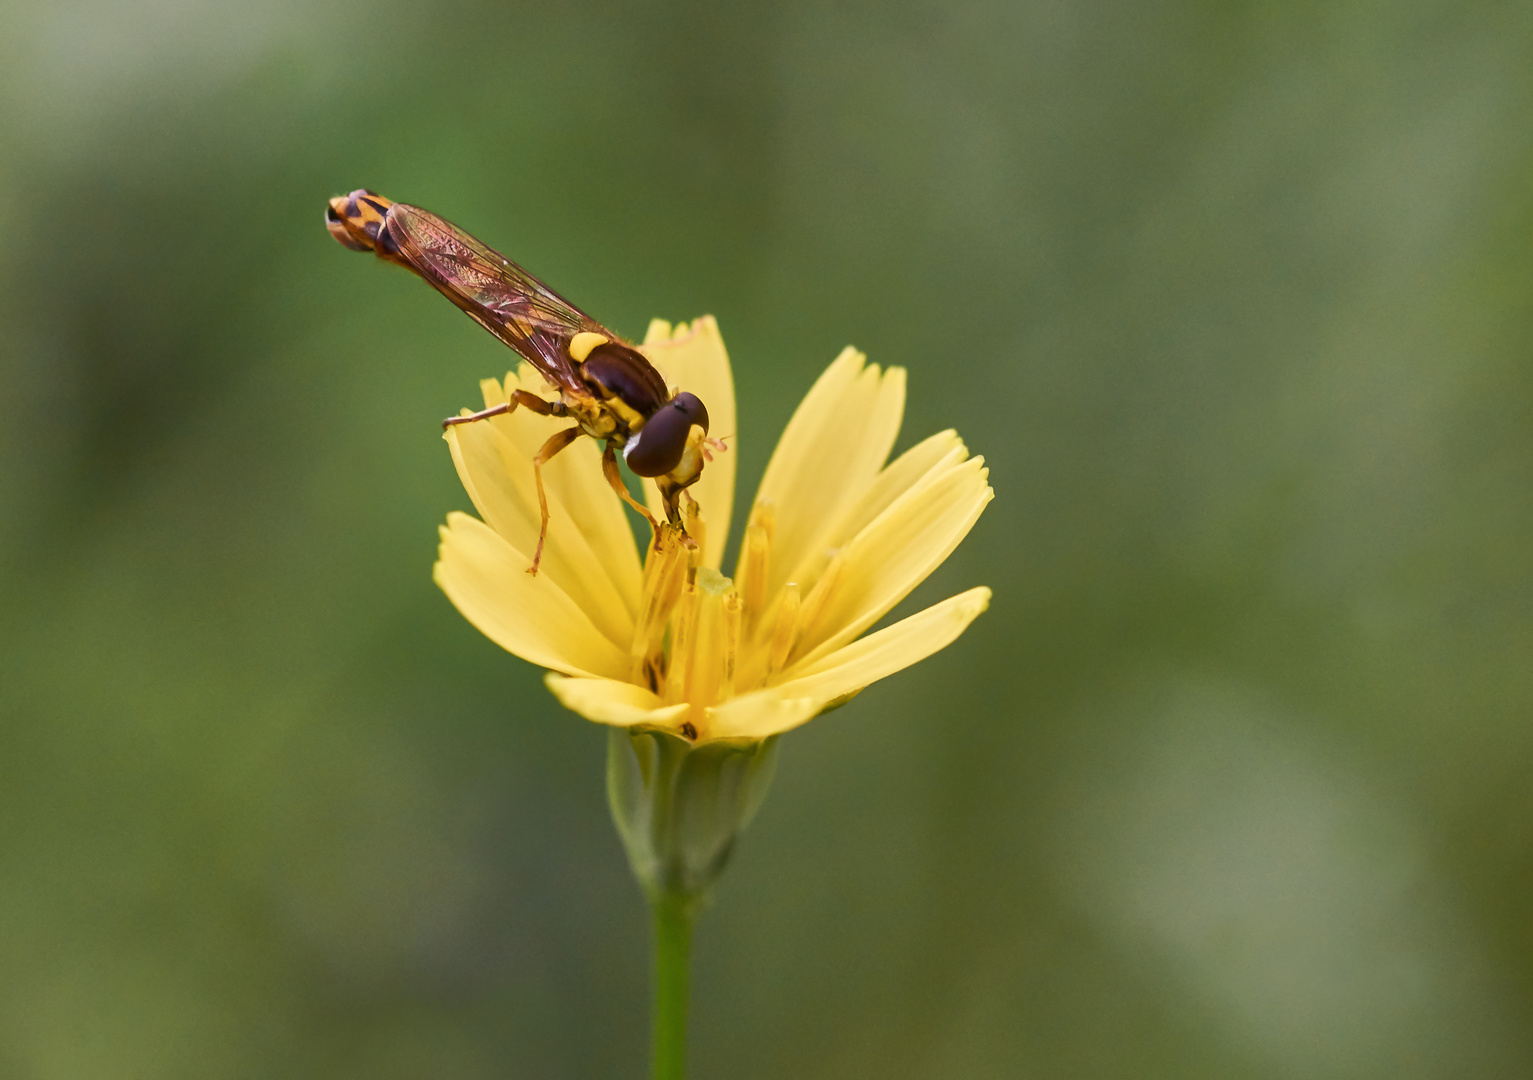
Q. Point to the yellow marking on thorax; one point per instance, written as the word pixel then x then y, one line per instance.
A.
pixel 582 344
pixel 630 416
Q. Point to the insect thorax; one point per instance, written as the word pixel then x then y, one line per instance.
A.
pixel 625 380
pixel 597 418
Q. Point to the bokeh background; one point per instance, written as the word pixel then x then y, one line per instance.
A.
pixel 1234 780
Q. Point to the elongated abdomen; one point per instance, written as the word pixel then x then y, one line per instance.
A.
pixel 359 221
pixel 356 220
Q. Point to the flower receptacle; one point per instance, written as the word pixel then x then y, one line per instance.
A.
pixel 679 807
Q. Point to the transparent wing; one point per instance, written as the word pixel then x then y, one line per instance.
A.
pixel 496 293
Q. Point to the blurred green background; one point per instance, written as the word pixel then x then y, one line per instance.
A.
pixel 1232 781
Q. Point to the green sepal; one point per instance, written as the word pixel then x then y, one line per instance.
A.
pixel 679 807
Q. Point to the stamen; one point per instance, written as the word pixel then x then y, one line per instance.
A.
pixel 786 631
pixel 665 572
pixel 816 602
pixel 697 528
pixel 705 670
pixel 683 636
pixel 732 612
pixel 755 562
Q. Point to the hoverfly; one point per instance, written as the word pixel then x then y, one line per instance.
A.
pixel 606 386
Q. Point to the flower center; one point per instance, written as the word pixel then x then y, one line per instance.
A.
pixel 686 643
pixel 701 637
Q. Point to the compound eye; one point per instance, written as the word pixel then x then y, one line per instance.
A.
pixel 659 445
pixel 693 407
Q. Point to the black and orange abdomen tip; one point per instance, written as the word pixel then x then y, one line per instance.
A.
pixel 356 220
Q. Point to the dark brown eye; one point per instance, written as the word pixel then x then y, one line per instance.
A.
pixel 659 446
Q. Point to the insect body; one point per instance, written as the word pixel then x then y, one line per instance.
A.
pixel 606 387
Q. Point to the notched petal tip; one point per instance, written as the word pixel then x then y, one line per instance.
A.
pixel 850 356
pixel 830 456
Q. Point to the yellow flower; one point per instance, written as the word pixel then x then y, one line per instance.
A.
pixel 835 539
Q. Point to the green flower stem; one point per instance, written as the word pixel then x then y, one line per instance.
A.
pixel 679 808
pixel 673 959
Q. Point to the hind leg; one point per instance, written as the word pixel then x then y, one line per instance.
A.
pixel 518 397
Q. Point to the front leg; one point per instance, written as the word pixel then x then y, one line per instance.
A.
pixel 615 479
pixel 518 397
pixel 670 496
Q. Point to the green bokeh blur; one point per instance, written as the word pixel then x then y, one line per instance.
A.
pixel 1235 779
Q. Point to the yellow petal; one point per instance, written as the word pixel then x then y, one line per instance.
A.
pixel 608 701
pixel 759 715
pixel 896 552
pixel 693 358
pixel 891 649
pixel 590 553
pixel 847 670
pixel 487 580
pixel 828 457
pixel 914 467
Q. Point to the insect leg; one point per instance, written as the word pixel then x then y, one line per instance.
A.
pixel 558 442
pixel 518 397
pixel 670 496
pixel 609 469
